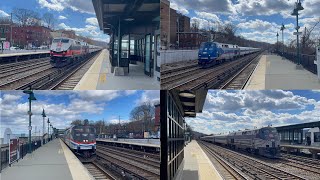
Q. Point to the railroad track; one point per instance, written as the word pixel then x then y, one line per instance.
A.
pixel 41 78
pixel 130 166
pixel 240 79
pixel 98 172
pixel 211 77
pixel 140 153
pixel 227 170
pixel 252 167
pixel 150 162
pixel 70 81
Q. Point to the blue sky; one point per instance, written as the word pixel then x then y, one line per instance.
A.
pixel 226 111
pixel 62 107
pixel 76 15
pixel 256 19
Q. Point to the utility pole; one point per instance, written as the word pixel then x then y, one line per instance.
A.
pixel 295 12
pixel 43 116
pixel 277 41
pixel 11 32
pixel 282 29
pixel 31 97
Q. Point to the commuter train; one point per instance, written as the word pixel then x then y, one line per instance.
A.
pixel 264 141
pixel 65 51
pixel 81 139
pixel 211 53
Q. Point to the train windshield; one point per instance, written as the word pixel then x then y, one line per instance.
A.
pixel 268 133
pixel 65 40
pixel 207 46
pixel 84 133
pixel 56 40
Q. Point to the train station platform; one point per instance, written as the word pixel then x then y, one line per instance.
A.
pixel 273 72
pixel 196 165
pixel 100 77
pixel 22 56
pixel 51 162
pixel 314 150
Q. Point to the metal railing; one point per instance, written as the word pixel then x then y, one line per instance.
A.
pixel 23 151
pixel 307 61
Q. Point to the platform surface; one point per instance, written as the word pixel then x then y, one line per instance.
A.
pixel 100 77
pixel 53 161
pixel 197 164
pixel 22 53
pixel 301 147
pixel 273 72
pixel 151 144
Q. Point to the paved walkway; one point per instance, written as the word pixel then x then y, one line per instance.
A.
pixel 99 77
pixel 273 72
pixel 53 161
pixel 197 165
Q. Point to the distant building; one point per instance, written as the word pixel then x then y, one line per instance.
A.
pixel 176 31
pixel 29 36
pixel 64 33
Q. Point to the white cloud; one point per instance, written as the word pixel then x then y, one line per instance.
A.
pixel 62 17
pixel 83 6
pixel 152 96
pixel 3 14
pixel 92 21
pixel 180 9
pixel 226 111
pixel 208 16
pixel 14 112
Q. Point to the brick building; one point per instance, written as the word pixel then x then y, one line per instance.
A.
pixel 175 29
pixel 28 36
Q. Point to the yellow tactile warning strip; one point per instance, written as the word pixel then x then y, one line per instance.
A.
pixel 206 168
pixel 258 79
pixel 197 165
pixel 78 171
pixel 90 80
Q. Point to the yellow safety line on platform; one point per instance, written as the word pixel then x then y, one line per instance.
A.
pixel 205 171
pixel 78 171
pixel 258 79
pixel 90 80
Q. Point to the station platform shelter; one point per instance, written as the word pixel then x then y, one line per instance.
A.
pixel 294 137
pixel 52 161
pixel 276 72
pixel 133 27
pixel 176 105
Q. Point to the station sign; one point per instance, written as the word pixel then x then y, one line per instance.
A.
pixel 295 33
pixel 14 150
pixel 3 39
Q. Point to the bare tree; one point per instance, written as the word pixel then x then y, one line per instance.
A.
pixel 48 18
pixel 76 122
pixel 26 17
pixel 195 24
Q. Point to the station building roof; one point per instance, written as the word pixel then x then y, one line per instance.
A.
pixel 190 102
pixel 299 126
pixel 134 12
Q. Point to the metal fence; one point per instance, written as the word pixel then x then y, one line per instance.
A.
pixel 307 61
pixel 22 152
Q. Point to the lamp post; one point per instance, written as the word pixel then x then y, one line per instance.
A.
pixel 282 29
pixel 31 97
pixel 298 7
pixel 43 116
pixel 277 41
pixel 48 128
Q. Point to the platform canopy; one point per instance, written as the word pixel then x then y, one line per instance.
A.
pixel 299 126
pixel 190 102
pixel 135 12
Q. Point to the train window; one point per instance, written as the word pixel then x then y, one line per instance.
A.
pixel 317 137
pixel 65 40
pixel 56 40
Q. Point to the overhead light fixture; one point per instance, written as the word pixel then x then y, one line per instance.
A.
pixel 190 113
pixel 187 94
pixel 188 103
pixel 129 19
